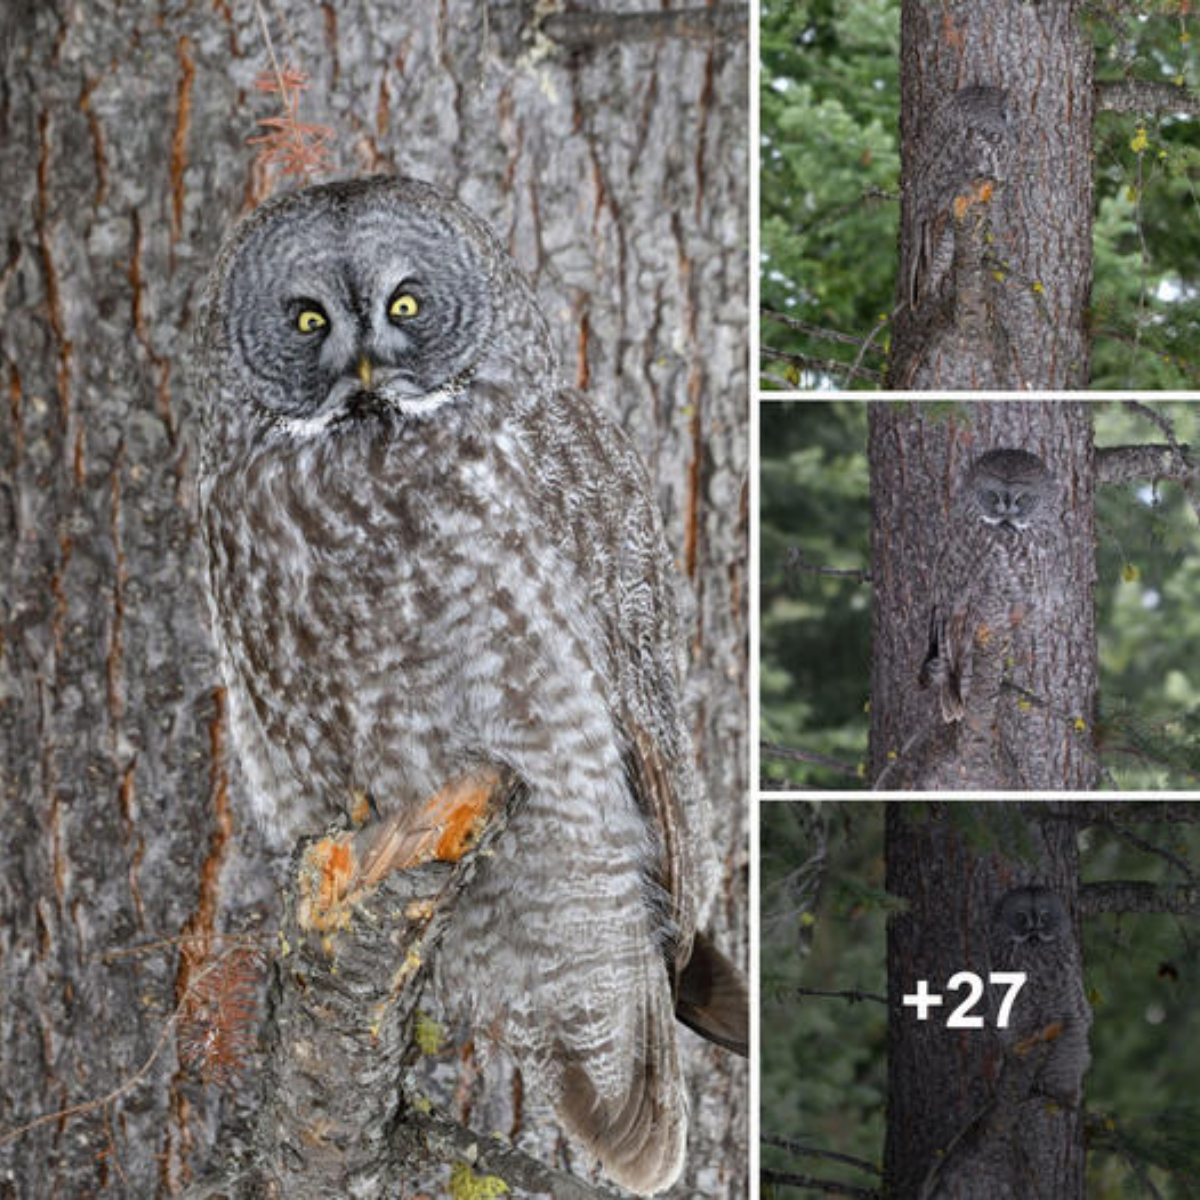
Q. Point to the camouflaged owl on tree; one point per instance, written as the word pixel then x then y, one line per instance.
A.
pixel 990 570
pixel 960 156
pixel 1050 1018
pixel 426 556
pixel 1044 1054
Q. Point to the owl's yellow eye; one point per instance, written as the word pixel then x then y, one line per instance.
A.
pixel 309 320
pixel 404 305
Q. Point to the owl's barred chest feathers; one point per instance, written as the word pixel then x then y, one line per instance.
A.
pixel 413 531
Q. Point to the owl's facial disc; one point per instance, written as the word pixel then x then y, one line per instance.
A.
pixel 345 313
pixel 1007 506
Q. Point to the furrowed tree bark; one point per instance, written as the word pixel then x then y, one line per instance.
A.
pixel 940 1079
pixel 918 455
pixel 1026 278
pixel 615 174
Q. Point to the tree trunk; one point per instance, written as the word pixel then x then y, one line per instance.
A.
pixel 952 863
pixel 1011 311
pixel 1042 734
pixel 615 173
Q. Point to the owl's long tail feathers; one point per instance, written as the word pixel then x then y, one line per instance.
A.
pixel 711 998
pixel 639 1134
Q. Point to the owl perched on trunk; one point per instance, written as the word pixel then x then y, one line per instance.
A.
pixel 989 572
pixel 1031 932
pixel 426 556
pixel 961 153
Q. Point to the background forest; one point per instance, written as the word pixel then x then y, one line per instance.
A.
pixel 824 1073
pixel 830 167
pixel 815 630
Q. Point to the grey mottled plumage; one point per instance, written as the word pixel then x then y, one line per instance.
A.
pixel 993 561
pixel 426 556
pixel 1031 932
pixel 965 143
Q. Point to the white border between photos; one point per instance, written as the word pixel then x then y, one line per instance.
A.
pixel 752 797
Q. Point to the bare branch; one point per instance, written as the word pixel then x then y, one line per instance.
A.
pixel 850 995
pixel 796 562
pixel 827 366
pixel 866 347
pixel 1130 895
pixel 1119 830
pixel 787 753
pixel 776 381
pixel 1146 96
pixel 1188 476
pixel 816 331
pixel 1144 812
pixel 430 1134
pixel 1127 464
pixel 580 30
pixel 102 1102
pixel 867 198
pixel 802 1151
pixel 830 1186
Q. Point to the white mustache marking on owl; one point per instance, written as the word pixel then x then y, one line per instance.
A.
pixel 395 393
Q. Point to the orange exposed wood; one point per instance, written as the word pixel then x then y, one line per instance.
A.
pixel 183 120
pixel 445 829
pixel 324 881
pixel 464 811
pixel 336 861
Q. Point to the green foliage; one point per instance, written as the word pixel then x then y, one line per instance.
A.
pixel 824 1077
pixel 815 630
pixel 1142 973
pixel 830 178
pixel 830 160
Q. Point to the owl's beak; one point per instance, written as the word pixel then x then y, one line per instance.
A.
pixel 364 372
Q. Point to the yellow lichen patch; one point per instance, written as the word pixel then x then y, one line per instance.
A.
pixel 466 1185
pixel 419 910
pixel 324 879
pixel 428 1035
pixel 406 970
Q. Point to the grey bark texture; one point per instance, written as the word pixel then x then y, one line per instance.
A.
pixel 949 1094
pixel 1013 313
pixel 1039 733
pixel 615 172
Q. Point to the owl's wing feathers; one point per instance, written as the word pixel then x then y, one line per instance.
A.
pixel 710 993
pixel 711 996
pixel 640 1138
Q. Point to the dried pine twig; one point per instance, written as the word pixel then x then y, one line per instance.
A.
pixel 218 1020
pixel 296 147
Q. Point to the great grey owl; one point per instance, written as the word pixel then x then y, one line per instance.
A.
pixel 965 144
pixel 1050 1018
pixel 426 556
pixel 991 566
